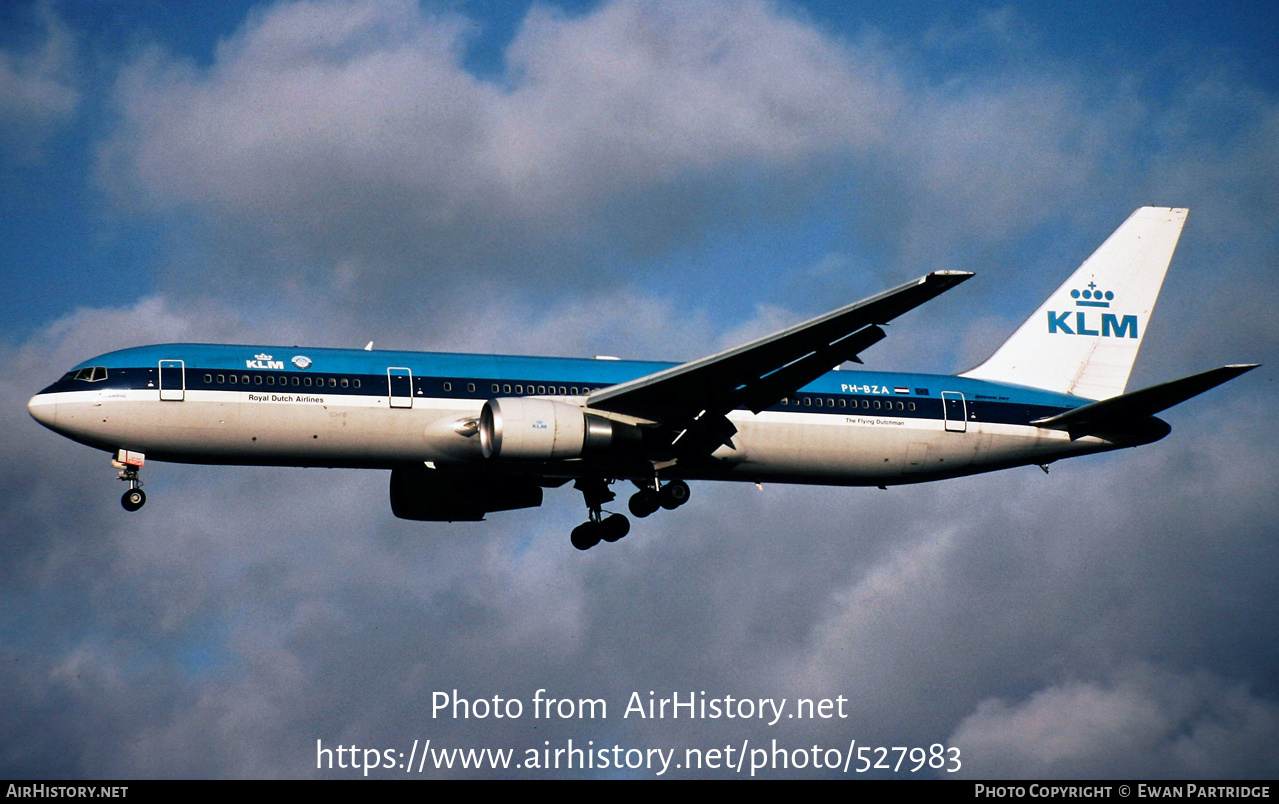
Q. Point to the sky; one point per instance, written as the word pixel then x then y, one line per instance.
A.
pixel 655 180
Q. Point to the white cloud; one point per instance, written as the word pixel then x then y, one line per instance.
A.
pixel 314 106
pixel 38 92
pixel 1144 723
pixel 342 148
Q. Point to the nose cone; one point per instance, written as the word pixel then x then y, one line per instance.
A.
pixel 44 409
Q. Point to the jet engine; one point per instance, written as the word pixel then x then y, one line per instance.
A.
pixel 527 428
pixel 433 496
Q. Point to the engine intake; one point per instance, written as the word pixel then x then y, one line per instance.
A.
pixel 526 428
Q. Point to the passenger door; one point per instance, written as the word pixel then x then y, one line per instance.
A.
pixel 400 387
pixel 173 383
pixel 955 411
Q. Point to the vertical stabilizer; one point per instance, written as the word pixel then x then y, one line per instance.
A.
pixel 1084 339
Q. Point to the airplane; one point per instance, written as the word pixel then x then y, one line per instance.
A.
pixel 468 435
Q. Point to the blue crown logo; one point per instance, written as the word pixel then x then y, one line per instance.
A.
pixel 1092 297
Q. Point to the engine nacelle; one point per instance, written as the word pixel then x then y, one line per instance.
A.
pixel 526 428
pixel 433 496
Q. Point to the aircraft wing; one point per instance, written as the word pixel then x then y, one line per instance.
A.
pixel 696 396
pixel 1122 412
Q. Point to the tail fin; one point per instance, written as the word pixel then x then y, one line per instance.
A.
pixel 1084 339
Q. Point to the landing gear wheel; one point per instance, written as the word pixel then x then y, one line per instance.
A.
pixel 133 499
pixel 673 495
pixel 586 535
pixel 614 528
pixel 643 503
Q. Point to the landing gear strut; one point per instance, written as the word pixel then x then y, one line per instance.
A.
pixel 129 463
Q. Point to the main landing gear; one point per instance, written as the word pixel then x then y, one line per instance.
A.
pixel 599 527
pixel 647 500
pixel 129 463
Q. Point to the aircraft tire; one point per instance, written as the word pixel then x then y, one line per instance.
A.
pixel 643 503
pixel 585 536
pixel 614 528
pixel 673 494
pixel 133 499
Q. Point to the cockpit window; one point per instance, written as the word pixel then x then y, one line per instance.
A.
pixel 91 374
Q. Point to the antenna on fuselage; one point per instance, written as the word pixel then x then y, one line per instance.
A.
pixel 368 347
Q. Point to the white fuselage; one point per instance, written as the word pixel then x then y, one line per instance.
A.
pixel 313 428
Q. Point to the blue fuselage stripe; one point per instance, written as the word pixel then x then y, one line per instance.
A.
pixel 359 373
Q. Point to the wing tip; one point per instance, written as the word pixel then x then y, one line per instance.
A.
pixel 947 278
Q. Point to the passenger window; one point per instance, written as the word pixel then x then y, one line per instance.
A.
pixel 356 383
pixel 221 379
pixel 234 379
pixel 333 383
pixel 346 383
pixel 208 378
pixel 257 379
pixel 506 389
pixel 470 387
pixel 541 389
pixel 270 379
pixel 448 386
pixel 307 382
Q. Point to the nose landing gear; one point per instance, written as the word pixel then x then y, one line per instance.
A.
pixel 133 499
pixel 129 463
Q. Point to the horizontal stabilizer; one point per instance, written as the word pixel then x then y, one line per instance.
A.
pixel 1120 412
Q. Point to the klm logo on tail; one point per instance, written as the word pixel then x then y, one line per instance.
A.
pixel 1110 326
